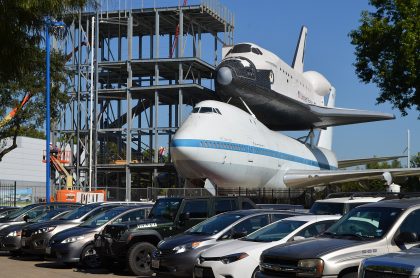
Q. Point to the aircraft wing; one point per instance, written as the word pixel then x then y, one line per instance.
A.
pixel 330 116
pixel 308 178
pixel 363 161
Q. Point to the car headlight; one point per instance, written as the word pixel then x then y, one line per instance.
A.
pixel 233 258
pixel 310 268
pixel 15 233
pixel 73 239
pixel 44 230
pixel 185 247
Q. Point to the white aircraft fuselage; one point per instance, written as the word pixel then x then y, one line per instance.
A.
pixel 230 147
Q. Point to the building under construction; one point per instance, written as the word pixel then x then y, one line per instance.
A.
pixel 134 74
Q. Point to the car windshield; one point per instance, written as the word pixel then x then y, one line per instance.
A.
pixel 165 209
pixel 364 223
pixel 274 232
pixel 214 225
pixel 18 212
pixel 79 212
pixel 102 218
pixel 46 216
pixel 327 208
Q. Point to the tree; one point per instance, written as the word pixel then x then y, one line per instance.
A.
pixel 387 51
pixel 22 67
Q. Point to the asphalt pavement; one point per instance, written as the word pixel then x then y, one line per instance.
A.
pixel 35 267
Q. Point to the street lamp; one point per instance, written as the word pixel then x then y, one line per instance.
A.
pixel 49 24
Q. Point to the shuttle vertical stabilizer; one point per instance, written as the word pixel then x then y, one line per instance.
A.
pixel 297 64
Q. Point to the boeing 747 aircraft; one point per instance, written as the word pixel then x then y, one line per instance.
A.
pixel 230 147
pixel 282 97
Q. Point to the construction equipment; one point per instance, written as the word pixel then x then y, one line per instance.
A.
pixel 58 159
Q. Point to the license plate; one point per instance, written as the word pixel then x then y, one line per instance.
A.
pixel 198 272
pixel 48 250
pixel 23 242
pixel 155 264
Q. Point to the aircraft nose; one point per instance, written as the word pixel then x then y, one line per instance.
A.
pixel 224 76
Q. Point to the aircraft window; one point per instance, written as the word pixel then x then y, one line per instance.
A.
pixel 195 110
pixel 241 48
pixel 206 110
pixel 218 111
pixel 256 51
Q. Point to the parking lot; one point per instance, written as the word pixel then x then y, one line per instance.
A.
pixel 32 266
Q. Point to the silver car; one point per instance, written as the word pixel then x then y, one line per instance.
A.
pixel 35 237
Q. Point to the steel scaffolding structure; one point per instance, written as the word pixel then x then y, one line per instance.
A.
pixel 141 92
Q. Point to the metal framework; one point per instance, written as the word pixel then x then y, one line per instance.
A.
pixel 141 95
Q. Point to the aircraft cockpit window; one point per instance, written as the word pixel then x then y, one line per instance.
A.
pixel 195 110
pixel 206 110
pixel 241 48
pixel 215 110
pixel 256 51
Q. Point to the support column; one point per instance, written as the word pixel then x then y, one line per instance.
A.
pixel 129 109
pixel 180 69
pixel 95 107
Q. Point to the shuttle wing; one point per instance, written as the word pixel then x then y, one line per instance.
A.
pixel 363 161
pixel 329 116
pixel 307 178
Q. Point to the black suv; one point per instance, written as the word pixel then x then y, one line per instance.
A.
pixel 135 242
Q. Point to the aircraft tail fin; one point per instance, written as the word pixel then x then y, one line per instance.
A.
pixel 325 136
pixel 300 50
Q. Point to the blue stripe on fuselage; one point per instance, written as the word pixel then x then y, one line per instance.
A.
pixel 222 145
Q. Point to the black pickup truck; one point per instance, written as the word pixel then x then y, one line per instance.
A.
pixel 134 242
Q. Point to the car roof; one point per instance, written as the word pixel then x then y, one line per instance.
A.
pixel 245 212
pixel 124 208
pixel 351 200
pixel 308 218
pixel 396 203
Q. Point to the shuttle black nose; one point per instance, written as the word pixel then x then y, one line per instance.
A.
pixel 224 76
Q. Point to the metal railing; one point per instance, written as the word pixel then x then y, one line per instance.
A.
pixel 8 194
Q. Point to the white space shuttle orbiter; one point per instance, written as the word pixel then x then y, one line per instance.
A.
pixel 282 97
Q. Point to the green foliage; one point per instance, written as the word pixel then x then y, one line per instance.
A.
pixel 388 51
pixel 22 65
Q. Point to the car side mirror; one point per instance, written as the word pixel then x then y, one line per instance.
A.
pixel 236 235
pixel 406 237
pixel 296 238
pixel 26 218
pixel 184 217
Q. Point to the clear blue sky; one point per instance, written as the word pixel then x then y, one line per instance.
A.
pixel 275 25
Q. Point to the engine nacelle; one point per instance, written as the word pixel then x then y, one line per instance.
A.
pixel 321 85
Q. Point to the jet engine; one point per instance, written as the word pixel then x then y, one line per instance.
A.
pixel 321 85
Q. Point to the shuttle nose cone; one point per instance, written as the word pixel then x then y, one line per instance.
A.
pixel 224 76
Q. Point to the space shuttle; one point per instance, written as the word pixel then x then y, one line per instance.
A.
pixel 282 97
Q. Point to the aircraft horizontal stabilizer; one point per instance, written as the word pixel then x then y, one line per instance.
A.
pixel 364 161
pixel 341 116
pixel 308 178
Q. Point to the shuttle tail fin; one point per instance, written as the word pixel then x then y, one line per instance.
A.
pixel 326 136
pixel 300 50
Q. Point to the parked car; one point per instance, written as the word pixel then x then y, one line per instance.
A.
pixel 403 264
pixel 10 237
pixel 23 214
pixel 35 237
pixel 76 244
pixel 366 231
pixel 177 255
pixel 5 210
pixel 240 258
pixel 135 242
pixel 340 204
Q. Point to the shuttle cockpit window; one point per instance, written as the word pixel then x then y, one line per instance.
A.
pixel 241 48
pixel 256 51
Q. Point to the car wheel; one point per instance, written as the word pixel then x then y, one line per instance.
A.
pixel 140 258
pixel 255 272
pixel 90 257
pixel 349 275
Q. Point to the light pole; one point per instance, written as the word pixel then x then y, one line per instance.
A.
pixel 48 24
